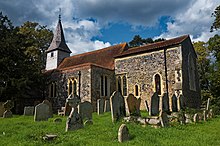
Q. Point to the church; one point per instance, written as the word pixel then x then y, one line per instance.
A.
pixel 164 67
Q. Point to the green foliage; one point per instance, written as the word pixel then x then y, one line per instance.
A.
pixel 138 41
pixel 22 56
pixel 21 130
pixel 216 23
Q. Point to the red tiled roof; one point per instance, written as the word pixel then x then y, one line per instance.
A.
pixel 153 46
pixel 102 58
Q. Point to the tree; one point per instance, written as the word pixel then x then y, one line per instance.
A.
pixel 216 23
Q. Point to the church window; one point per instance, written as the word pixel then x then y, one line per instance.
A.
pixel 124 86
pixel 72 86
pixel 157 84
pixel 136 90
pixel 104 86
pixel 191 72
pixel 119 84
pixel 52 89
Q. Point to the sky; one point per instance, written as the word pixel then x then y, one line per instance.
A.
pixel 94 24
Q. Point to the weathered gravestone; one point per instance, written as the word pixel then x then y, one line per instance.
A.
pixel 28 110
pixel 107 106
pixel 174 103
pixel 210 114
pixel 188 118
pixel 100 106
pixel 123 133
pixel 74 121
pixel 205 115
pixel 196 118
pixel 8 105
pixel 2 109
pixel 207 105
pixel 165 103
pixel 50 108
pixel 117 105
pixel 164 119
pixel 41 112
pixel 85 109
pixel 181 102
pixel 154 109
pixel 133 105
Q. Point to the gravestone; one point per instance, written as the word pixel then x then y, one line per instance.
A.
pixel 181 117
pixel 188 118
pixel 107 106
pixel 74 121
pixel 117 105
pixel 133 105
pixel 181 102
pixel 8 105
pixel 123 133
pixel 154 109
pixel 165 103
pixel 164 119
pixel 146 105
pixel 174 103
pixel 2 109
pixel 41 112
pixel 67 109
pixel 28 110
pixel 210 114
pixel 100 106
pixel 196 118
pixel 50 108
pixel 205 115
pixel 85 109
pixel 207 105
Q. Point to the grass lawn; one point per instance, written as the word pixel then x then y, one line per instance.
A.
pixel 22 130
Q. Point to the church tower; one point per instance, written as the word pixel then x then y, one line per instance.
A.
pixel 58 49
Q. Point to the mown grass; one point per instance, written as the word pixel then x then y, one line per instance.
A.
pixel 22 130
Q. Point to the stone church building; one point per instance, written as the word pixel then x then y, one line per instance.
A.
pixel 167 66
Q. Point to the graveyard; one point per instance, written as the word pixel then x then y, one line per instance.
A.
pixel 22 130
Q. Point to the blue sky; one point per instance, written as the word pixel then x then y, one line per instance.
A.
pixel 95 24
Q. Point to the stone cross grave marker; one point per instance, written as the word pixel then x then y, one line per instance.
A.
pixel 123 133
pixel 100 106
pixel 165 103
pixel 8 105
pixel 154 109
pixel 74 121
pixel 174 103
pixel 133 105
pixel 117 105
pixel 28 110
pixel 85 109
pixel 50 108
pixel 41 112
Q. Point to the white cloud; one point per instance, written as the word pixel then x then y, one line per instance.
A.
pixel 195 20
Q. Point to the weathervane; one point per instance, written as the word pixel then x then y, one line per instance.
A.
pixel 59 13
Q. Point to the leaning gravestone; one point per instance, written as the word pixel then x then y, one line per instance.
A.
pixel 165 102
pixel 117 105
pixel 164 119
pixel 107 106
pixel 28 110
pixel 50 108
pixel 100 106
pixel 196 118
pixel 154 109
pixel 74 121
pixel 174 103
pixel 8 105
pixel 133 105
pixel 67 109
pixel 123 133
pixel 85 109
pixel 41 112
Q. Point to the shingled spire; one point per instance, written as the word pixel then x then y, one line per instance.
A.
pixel 58 42
pixel 58 49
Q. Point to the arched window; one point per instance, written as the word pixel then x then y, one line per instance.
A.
pixel 74 87
pixel 106 86
pixel 119 84
pixel 157 84
pixel 102 86
pixel 70 87
pixel 136 90
pixel 124 86
pixel 52 89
